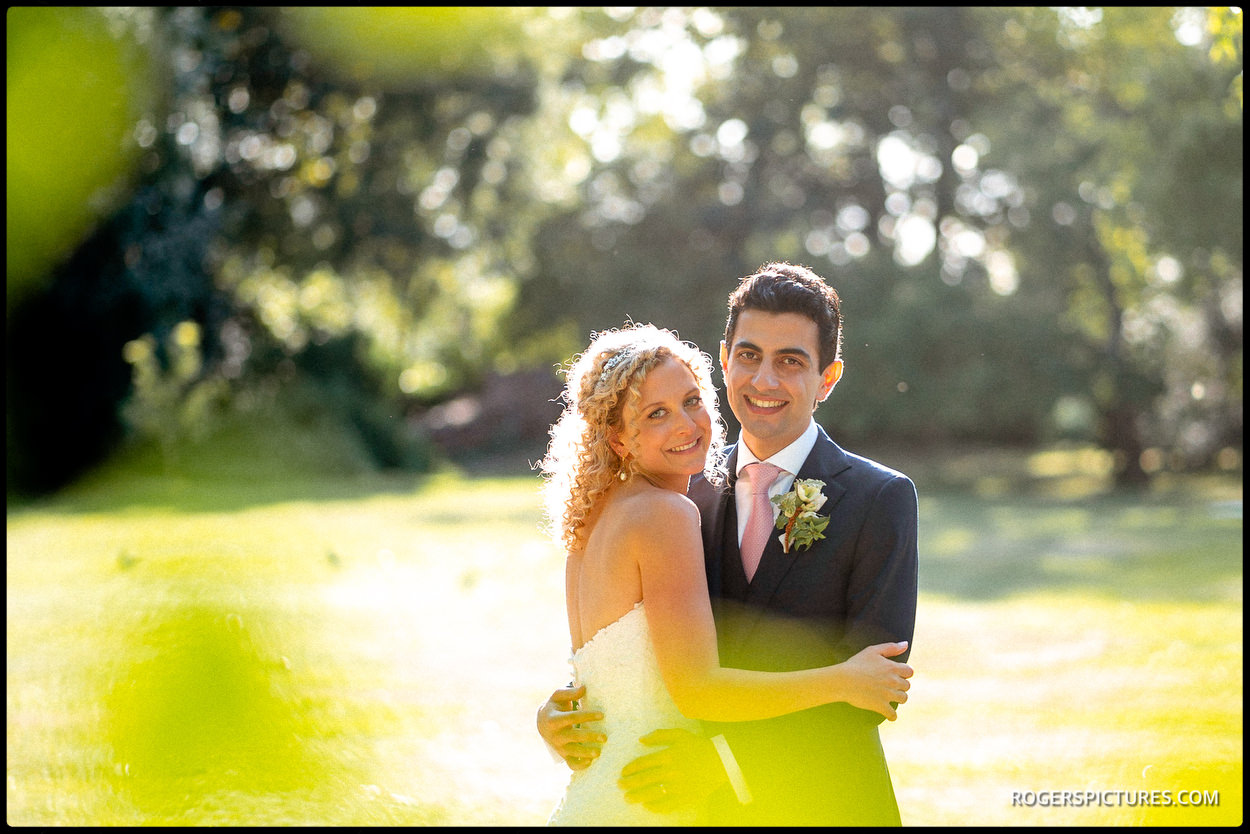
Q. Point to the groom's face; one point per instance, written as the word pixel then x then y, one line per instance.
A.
pixel 773 377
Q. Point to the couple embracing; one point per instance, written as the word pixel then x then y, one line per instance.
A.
pixel 740 616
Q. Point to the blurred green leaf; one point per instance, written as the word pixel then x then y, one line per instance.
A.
pixel 74 92
pixel 404 47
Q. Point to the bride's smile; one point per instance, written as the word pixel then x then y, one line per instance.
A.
pixel 662 545
pixel 668 431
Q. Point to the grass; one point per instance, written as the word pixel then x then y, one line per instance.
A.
pixel 221 648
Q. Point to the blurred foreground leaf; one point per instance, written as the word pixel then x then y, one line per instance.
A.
pixel 403 47
pixel 201 701
pixel 75 91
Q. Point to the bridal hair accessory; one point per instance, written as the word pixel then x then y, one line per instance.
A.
pixel 617 359
pixel 798 515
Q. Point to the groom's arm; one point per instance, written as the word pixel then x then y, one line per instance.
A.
pixel 882 586
pixel 684 770
pixel 560 722
pixel 881 607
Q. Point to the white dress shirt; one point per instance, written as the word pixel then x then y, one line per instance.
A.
pixel 789 459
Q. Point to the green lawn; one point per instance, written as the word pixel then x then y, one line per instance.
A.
pixel 369 650
pixel 1091 647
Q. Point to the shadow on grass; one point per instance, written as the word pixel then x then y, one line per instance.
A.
pixel 1127 547
pixel 997 522
pixel 994 523
pixel 221 478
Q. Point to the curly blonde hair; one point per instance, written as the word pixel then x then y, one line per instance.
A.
pixel 603 381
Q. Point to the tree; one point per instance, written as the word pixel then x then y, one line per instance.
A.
pixel 979 183
pixel 285 202
pixel 1125 144
pixel 1033 215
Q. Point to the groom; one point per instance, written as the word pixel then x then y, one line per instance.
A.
pixel 780 611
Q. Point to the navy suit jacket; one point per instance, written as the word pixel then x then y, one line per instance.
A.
pixel 852 589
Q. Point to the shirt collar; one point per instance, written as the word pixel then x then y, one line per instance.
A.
pixel 790 458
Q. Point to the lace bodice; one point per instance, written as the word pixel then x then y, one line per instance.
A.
pixel 621 675
pixel 622 679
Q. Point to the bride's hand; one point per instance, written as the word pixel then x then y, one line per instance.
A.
pixel 559 723
pixel 876 682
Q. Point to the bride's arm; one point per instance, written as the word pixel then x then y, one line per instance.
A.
pixel 665 543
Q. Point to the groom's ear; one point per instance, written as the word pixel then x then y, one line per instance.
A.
pixel 829 378
pixel 724 357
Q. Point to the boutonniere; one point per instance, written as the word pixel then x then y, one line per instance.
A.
pixel 798 515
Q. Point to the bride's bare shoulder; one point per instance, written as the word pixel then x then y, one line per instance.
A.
pixel 654 511
pixel 656 500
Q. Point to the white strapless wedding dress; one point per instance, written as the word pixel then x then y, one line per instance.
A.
pixel 623 682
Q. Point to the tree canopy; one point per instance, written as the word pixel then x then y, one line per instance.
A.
pixel 1033 215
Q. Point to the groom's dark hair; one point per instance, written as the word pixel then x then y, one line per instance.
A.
pixel 786 288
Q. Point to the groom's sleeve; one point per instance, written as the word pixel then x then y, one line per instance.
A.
pixel 883 581
pixel 736 779
pixel 825 763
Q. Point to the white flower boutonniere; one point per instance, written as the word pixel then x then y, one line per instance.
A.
pixel 798 515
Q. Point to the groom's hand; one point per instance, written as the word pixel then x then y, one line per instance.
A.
pixel 559 723
pixel 681 775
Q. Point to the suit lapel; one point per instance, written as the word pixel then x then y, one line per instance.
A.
pixel 717 518
pixel 825 462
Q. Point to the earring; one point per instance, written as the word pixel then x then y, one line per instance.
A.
pixel 624 477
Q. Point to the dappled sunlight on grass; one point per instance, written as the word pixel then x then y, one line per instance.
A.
pixel 371 650
pixel 1115 546
pixel 1069 691
pixel 378 662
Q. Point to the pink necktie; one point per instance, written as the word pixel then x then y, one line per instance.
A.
pixel 760 521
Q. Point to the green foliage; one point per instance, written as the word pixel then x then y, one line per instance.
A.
pixel 74 91
pixel 403 48
pixel 336 382
pixel 142 270
pixel 1023 208
pixel 360 204
pixel 276 211
pixel 1134 236
pixel 173 401
pixel 305 428
pixel 981 184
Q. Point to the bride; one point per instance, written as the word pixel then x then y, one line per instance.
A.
pixel 640 419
